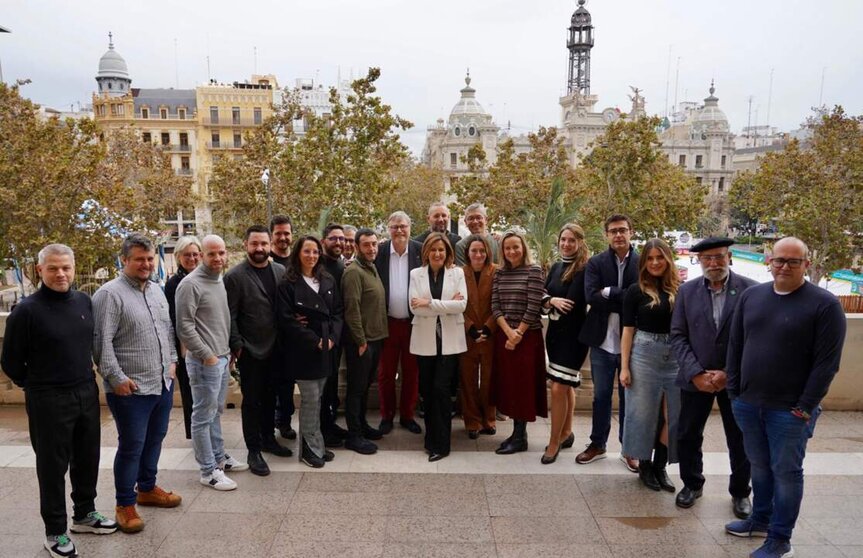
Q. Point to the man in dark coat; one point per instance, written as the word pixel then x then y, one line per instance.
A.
pixel 251 288
pixel 333 242
pixel 699 335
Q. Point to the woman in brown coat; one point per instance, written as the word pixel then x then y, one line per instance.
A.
pixel 476 364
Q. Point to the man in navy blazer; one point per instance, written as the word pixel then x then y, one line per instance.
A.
pixel 699 335
pixel 606 278
pixel 396 259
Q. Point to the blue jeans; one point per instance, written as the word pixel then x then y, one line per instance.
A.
pixel 775 442
pixel 603 367
pixel 209 390
pixel 142 422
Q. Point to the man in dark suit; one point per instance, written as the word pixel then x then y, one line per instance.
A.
pixel 251 288
pixel 394 262
pixel 606 279
pixel 438 219
pixel 699 335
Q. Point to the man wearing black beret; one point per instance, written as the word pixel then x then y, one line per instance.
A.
pixel 699 335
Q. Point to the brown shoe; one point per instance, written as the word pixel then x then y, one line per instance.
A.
pixel 631 463
pixel 128 519
pixel 159 498
pixel 589 455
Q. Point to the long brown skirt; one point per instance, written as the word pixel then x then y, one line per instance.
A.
pixel 519 386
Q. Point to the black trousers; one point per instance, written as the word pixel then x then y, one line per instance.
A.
pixel 330 397
pixel 695 407
pixel 185 394
pixel 64 432
pixel 437 376
pixel 362 369
pixel 257 383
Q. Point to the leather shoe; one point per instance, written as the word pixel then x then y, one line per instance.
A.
pixel 663 480
pixel 436 457
pixel 370 433
pixel 686 497
pixel 361 445
pixel 567 442
pixel 511 446
pixel 647 476
pixel 473 434
pixel 332 440
pixel 329 456
pixel 490 431
pixel 257 465
pixel 386 426
pixel 412 426
pixel 742 507
pixel 546 460
pixel 272 446
pixel 288 433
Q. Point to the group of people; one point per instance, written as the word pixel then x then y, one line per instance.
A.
pixel 444 316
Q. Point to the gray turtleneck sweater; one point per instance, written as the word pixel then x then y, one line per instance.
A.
pixel 203 318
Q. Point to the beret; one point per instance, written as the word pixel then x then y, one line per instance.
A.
pixel 712 242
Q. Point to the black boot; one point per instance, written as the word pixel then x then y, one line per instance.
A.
pixel 660 458
pixel 647 476
pixel 517 442
pixel 309 457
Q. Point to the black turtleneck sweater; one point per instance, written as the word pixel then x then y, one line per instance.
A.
pixel 48 342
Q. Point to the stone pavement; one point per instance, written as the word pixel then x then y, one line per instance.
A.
pixel 471 504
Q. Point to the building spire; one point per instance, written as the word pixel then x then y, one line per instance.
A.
pixel 467 78
pixel 110 40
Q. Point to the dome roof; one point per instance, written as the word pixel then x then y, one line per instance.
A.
pixel 710 117
pixel 468 104
pixel 112 65
pixel 580 16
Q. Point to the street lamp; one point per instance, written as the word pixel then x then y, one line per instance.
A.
pixel 265 178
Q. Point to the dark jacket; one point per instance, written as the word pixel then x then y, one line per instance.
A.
pixel 601 272
pixel 563 330
pixel 253 312
pixel 697 343
pixel 171 296
pixel 324 314
pixel 382 263
pixel 451 236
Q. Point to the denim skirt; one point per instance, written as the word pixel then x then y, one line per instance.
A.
pixel 654 371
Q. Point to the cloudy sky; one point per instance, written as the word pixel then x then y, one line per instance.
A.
pixel 515 50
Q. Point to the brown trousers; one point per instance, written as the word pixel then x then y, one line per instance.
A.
pixel 476 383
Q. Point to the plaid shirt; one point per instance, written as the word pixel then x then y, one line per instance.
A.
pixel 134 337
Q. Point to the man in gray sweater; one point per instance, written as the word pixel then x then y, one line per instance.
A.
pixel 204 329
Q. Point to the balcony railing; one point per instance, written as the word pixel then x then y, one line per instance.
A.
pixel 233 122
pixel 181 148
pixel 184 172
pixel 223 145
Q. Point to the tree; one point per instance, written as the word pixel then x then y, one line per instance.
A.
pixel 542 227
pixel 517 183
pixel 744 214
pixel 628 173
pixel 59 182
pixel 417 186
pixel 346 161
pixel 814 191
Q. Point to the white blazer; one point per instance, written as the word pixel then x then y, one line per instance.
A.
pixel 451 312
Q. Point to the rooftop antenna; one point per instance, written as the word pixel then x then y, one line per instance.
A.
pixel 676 82
pixel 769 99
pixel 749 120
pixel 255 55
pixel 667 80
pixel 821 94
pixel 176 66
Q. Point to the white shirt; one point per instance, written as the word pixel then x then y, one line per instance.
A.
pixel 313 283
pixel 399 282
pixel 611 343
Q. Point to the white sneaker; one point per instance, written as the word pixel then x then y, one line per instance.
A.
pixel 218 480
pixel 231 464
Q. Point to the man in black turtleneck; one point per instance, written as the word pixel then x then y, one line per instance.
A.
pixel 333 241
pixel 47 351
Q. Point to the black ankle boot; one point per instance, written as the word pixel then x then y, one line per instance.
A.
pixel 517 442
pixel 647 476
pixel 662 479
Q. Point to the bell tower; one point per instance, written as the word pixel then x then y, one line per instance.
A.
pixel 579 43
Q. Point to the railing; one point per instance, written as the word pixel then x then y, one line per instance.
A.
pixel 184 172
pixel 233 122
pixel 852 304
pixel 181 148
pixel 156 116
pixel 223 145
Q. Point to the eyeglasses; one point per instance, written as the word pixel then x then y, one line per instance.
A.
pixel 793 263
pixel 349 241
pixel 712 258
pixel 614 232
pixel 399 227
pixel 335 239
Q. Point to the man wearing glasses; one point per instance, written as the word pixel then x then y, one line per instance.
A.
pixel 333 241
pixel 785 346
pixel 606 279
pixel 699 335
pixel 396 258
pixel 350 250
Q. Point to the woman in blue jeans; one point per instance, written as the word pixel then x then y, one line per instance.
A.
pixel 648 368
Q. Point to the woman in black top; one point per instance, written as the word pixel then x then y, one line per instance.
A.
pixel 565 304
pixel 310 291
pixel 648 368
pixel 187 254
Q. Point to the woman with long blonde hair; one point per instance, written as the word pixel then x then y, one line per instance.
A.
pixel 649 368
pixel 566 306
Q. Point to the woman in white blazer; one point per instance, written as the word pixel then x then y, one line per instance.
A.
pixel 438 296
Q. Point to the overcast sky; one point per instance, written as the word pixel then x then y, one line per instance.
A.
pixel 515 49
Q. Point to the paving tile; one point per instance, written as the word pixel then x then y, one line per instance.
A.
pixel 552 550
pixel 804 534
pixel 831 505
pixel 241 501
pixel 348 482
pixel 648 531
pixel 646 550
pixel 341 503
pixel 438 529
pixel 23 546
pixel 543 504
pixel 206 547
pixel 283 547
pixel 439 550
pixel 433 503
pixel 201 525
pixel 840 531
pixel 851 551
pixel 333 528
pixel 118 545
pixel 563 485
pixel 552 530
